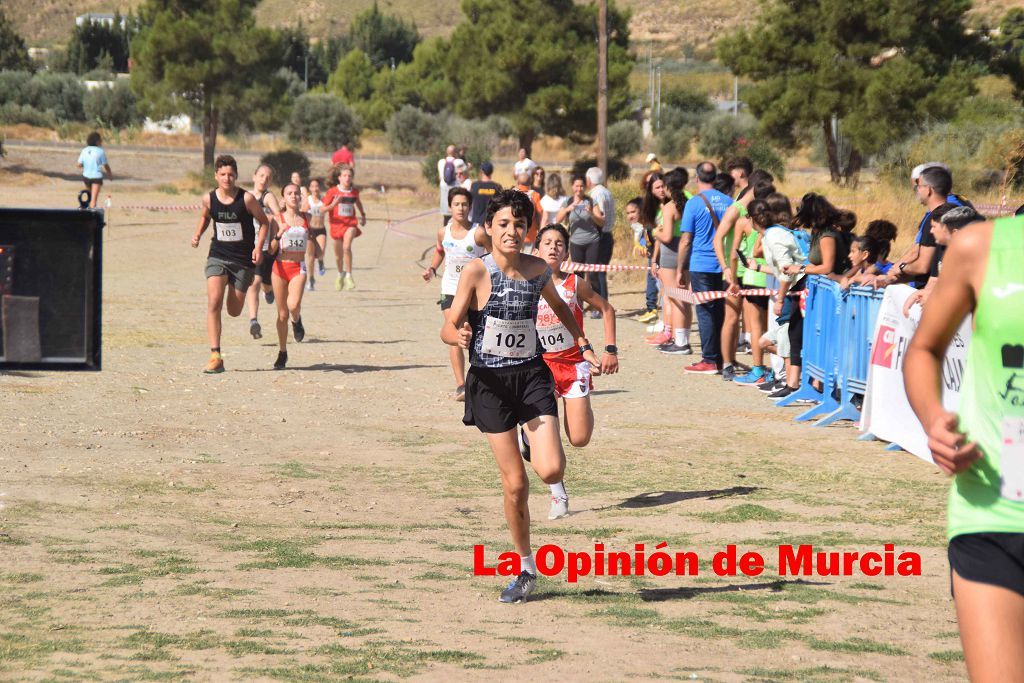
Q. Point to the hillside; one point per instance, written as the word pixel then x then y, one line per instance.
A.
pixel 672 27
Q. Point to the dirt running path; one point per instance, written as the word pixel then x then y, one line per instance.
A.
pixel 318 523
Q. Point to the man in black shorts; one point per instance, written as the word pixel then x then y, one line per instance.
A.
pixel 234 250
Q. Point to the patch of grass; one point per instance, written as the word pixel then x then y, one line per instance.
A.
pixel 157 640
pixel 253 633
pixel 295 470
pixel 7 539
pixel 436 576
pixel 947 656
pixel 867 586
pixel 21 578
pixel 530 640
pixel 17 647
pixel 254 647
pixel 203 588
pixel 855 646
pixel 627 615
pixel 763 613
pixel 258 613
pixel 817 673
pixel 69 556
pixel 746 512
pixel 278 554
pixel 702 628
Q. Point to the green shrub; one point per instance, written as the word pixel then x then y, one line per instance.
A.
pixel 617 168
pixel 286 162
pixel 11 113
pixel 411 130
pixel 624 138
pixel 61 94
pixel 325 121
pixel 724 135
pixel 113 107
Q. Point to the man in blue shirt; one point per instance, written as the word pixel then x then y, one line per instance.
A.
pixel 699 264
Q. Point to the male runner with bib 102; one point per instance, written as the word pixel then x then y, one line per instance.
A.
pixel 458 243
pixel 494 315
pixel 234 250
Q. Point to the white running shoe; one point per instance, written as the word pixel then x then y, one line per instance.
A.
pixel 559 507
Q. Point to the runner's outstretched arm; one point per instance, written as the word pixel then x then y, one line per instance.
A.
pixel 456 331
pixel 609 361
pixel 435 261
pixel 954 299
pixel 204 221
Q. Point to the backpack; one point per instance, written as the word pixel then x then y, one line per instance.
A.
pixel 449 172
pixel 802 237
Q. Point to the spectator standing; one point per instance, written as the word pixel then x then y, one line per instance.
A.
pixel 93 162
pixel 462 175
pixel 584 231
pixel 445 182
pixel 945 221
pixel 933 185
pixel 343 155
pixel 524 165
pixel 699 265
pixel 740 169
pixel 482 190
pixel 554 199
pixel 537 180
pixel 604 217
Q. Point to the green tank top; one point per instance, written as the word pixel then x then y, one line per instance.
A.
pixel 752 278
pixel 989 497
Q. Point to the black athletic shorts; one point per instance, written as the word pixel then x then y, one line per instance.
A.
pixel 89 182
pixel 317 232
pixel 498 399
pixel 265 267
pixel 446 301
pixel 760 301
pixel 993 558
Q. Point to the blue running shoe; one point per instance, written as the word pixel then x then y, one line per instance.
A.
pixel 757 376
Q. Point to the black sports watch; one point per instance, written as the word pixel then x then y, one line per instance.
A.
pixel 585 348
pixel 612 349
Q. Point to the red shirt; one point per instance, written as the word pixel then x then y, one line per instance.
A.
pixel 345 212
pixel 343 156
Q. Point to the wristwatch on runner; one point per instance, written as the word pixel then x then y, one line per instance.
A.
pixel 612 349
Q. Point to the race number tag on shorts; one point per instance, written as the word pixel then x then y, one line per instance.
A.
pixel 346 210
pixel 509 338
pixel 229 232
pixel 555 338
pixel 1012 461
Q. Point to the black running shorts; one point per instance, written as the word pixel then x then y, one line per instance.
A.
pixel 993 558
pixel 265 267
pixel 446 301
pixel 761 301
pixel 499 399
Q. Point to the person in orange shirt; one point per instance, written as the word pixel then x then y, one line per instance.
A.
pixel 523 185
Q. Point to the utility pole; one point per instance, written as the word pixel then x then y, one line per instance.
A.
pixel 602 86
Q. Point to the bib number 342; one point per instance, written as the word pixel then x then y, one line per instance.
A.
pixel 509 338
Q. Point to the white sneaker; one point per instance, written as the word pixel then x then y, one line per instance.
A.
pixel 559 507
pixel 656 327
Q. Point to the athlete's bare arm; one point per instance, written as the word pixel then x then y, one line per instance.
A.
pixel 956 295
pixel 435 261
pixel 483 240
pixel 456 330
pixel 726 226
pixel 362 212
pixel 683 262
pixel 258 215
pixel 204 221
pixel 560 309
pixel 609 361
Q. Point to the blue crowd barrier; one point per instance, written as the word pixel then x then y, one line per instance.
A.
pixel 838 332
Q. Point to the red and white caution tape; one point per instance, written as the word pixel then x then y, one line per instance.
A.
pixel 688 296
pixel 570 267
pixel 160 207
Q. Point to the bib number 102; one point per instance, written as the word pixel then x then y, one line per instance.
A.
pixel 510 340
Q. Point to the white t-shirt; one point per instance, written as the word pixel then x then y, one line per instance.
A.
pixel 525 166
pixel 443 187
pixel 551 206
pixel 602 198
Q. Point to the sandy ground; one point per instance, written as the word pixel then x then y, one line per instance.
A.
pixel 318 523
